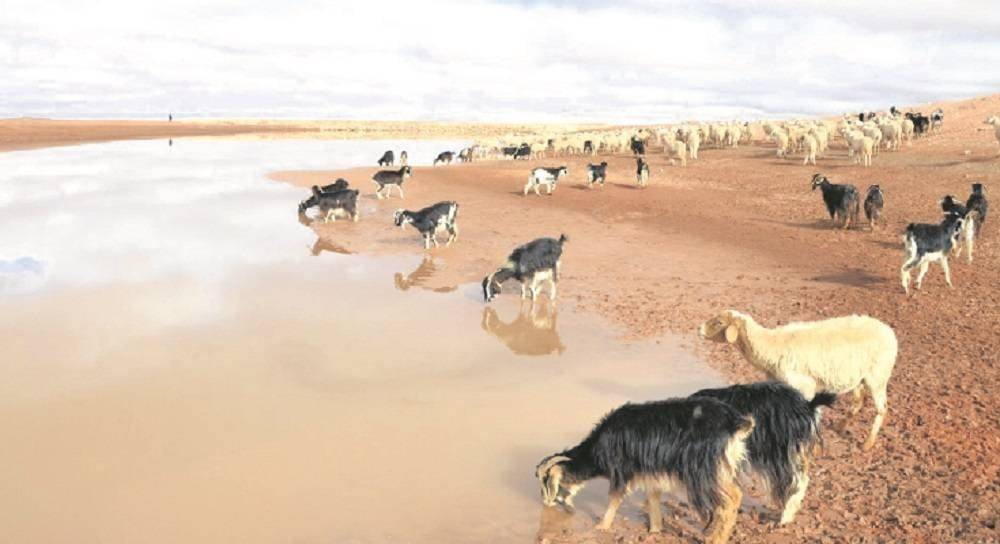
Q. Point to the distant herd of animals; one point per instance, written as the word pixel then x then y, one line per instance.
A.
pixel 713 443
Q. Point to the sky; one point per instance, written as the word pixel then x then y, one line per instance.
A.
pixel 629 61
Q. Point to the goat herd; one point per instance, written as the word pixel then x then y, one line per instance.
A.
pixel 711 444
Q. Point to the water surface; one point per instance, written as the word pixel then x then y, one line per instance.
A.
pixel 179 362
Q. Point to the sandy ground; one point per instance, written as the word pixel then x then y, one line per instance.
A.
pixel 741 229
pixel 735 229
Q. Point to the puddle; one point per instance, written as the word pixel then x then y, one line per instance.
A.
pixel 182 361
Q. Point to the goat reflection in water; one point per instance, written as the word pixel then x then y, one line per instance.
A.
pixel 420 277
pixel 533 332
pixel 321 244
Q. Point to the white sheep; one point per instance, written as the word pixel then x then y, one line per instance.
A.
pixel 677 151
pixel 810 148
pixel 836 355
pixel 995 121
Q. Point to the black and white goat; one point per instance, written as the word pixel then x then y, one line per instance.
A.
pixel 545 176
pixel 925 243
pixel 430 220
pixel 530 264
pixel 841 200
pixel 874 203
pixel 641 171
pixel 597 173
pixel 445 157
pixel 637 145
pixel 967 232
pixel 937 120
pixel 977 201
pixel 780 447
pixel 388 159
pixel 695 445
pixel 333 204
pixel 339 185
pixel 588 147
pixel 385 180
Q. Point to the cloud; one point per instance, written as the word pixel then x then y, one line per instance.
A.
pixel 636 61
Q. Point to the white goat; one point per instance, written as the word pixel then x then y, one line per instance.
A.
pixel 836 355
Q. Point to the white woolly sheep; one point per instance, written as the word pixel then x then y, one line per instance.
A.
pixel 835 355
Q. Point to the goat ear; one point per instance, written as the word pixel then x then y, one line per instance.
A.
pixel 732 334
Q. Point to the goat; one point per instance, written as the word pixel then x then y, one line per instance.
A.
pixel 596 173
pixel 588 147
pixel 466 154
pixel 781 444
pixel 967 230
pixel 545 176
pixel 523 152
pixel 925 244
pixel 385 180
pixel 937 120
pixel 840 200
pixel 339 185
pixel 331 205
pixel 637 146
pixel 529 264
pixel 695 444
pixel 404 158
pixel 388 159
pixel 444 158
pixel 835 355
pixel 430 220
pixel 641 172
pixel 977 202
pixel 874 203
pixel 921 123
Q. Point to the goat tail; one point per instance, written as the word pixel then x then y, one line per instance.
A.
pixel 823 398
pixel 563 239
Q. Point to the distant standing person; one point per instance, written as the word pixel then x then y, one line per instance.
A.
pixel 170 117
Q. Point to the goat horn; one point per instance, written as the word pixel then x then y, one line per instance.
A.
pixel 551 462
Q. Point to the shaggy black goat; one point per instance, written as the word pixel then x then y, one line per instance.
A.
pixel 977 201
pixel 523 152
pixel 925 244
pixel 430 220
pixel 921 123
pixel 641 171
pixel 529 264
pixel 385 180
pixel 840 200
pixel 597 173
pixel 444 157
pixel 695 444
pixel 874 203
pixel 781 444
pixel 336 204
pixel 545 176
pixel 338 185
pixel 388 159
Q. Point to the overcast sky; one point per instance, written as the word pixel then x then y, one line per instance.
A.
pixel 610 61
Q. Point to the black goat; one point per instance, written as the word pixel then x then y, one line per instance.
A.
pixel 335 204
pixel 588 147
pixel 529 264
pixel 523 152
pixel 977 201
pixel 444 158
pixel 695 444
pixel 338 185
pixel 925 243
pixel 781 444
pixel 641 171
pixel 840 200
pixel 967 231
pixel 874 203
pixel 921 123
pixel 637 146
pixel 388 159
pixel 597 173
pixel 508 152
pixel 385 180
pixel 430 220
